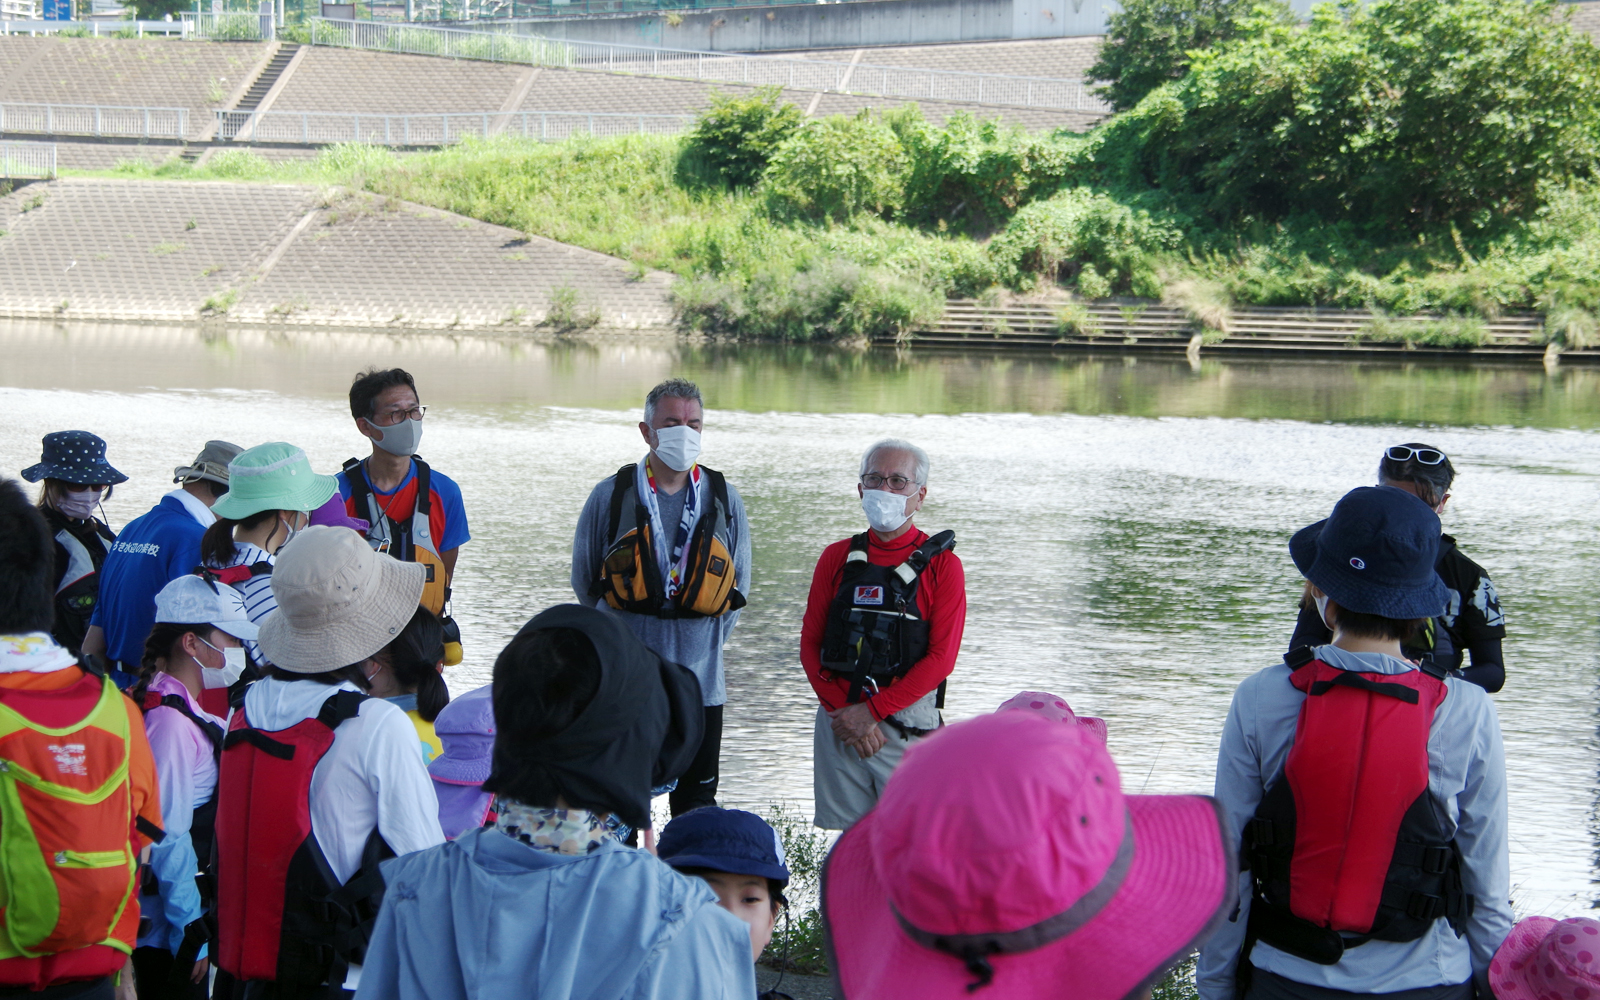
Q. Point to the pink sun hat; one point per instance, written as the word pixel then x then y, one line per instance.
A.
pixel 1004 857
pixel 1548 959
pixel 1053 708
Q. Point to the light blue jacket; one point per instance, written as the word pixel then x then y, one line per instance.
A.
pixel 1466 772
pixel 485 916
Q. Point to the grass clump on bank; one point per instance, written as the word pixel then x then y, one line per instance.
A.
pixel 1340 163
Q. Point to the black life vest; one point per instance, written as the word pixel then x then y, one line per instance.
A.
pixel 1348 845
pixel 283 915
pixel 875 633
pixel 202 834
pixel 406 535
pixel 81 549
pixel 630 575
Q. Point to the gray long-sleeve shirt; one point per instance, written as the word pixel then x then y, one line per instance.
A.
pixel 695 643
pixel 1466 772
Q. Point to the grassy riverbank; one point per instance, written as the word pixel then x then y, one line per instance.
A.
pixel 1340 163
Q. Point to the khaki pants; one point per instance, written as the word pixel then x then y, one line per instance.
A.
pixel 845 786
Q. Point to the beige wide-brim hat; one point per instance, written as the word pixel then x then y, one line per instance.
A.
pixel 338 601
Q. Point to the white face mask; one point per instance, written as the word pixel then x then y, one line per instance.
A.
pixel 291 529
pixel 678 447
pixel 231 670
pixel 1322 608
pixel 402 438
pixel 79 504
pixel 885 511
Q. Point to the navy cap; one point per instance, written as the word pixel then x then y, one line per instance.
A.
pixel 76 457
pixel 724 840
pixel 1375 554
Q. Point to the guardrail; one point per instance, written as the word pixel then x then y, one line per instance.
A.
pixel 92 29
pixel 901 82
pixel 314 127
pixel 27 160
pixel 94 119
pixel 230 26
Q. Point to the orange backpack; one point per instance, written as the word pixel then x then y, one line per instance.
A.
pixel 68 871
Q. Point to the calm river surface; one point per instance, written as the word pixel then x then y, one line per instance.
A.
pixel 1123 523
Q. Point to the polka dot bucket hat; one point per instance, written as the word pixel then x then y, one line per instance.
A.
pixel 76 457
pixel 1055 709
pixel 1548 959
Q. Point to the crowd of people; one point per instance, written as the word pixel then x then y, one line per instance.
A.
pixel 230 765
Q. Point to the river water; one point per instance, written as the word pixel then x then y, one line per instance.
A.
pixel 1123 523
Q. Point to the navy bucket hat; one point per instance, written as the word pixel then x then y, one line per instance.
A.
pixel 724 840
pixel 76 457
pixel 1375 554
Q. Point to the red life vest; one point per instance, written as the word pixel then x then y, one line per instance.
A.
pixel 283 915
pixel 1347 839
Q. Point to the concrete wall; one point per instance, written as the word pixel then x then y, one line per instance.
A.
pixel 842 25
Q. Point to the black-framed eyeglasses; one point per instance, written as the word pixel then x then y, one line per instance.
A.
pixel 873 481
pixel 1427 456
pixel 415 413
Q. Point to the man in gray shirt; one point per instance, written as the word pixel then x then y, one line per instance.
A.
pixel 665 545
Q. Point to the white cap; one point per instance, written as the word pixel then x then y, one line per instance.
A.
pixel 190 600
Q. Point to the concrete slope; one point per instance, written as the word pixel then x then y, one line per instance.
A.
pixel 1060 58
pixel 299 256
pixel 134 72
pixel 330 79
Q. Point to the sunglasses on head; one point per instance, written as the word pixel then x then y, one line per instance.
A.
pixel 1427 456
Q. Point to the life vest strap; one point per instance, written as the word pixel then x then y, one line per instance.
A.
pixel 1352 679
pixel 261 741
pixel 212 732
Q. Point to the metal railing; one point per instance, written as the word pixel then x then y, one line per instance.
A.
pixel 230 26
pixel 314 127
pixel 94 119
pixel 902 82
pixel 27 160
pixel 91 29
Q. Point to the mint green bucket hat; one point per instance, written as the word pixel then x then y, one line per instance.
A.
pixel 274 476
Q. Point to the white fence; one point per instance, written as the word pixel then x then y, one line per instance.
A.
pixel 94 29
pixel 230 26
pixel 92 119
pixel 902 82
pixel 437 129
pixel 27 160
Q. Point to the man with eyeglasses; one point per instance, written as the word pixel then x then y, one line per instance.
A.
pixel 882 629
pixel 415 513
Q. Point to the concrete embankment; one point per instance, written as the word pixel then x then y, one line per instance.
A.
pixel 294 255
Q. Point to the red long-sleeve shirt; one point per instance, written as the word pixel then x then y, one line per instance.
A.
pixel 941 601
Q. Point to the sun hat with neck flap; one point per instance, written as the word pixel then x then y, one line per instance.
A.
pixel 1375 554
pixel 273 476
pixel 1003 860
pixel 339 602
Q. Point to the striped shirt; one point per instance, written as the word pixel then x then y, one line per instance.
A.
pixel 256 591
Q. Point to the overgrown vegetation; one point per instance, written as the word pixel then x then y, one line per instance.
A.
pixel 1405 157
pixel 1148 43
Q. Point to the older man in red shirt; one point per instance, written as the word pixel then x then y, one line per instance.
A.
pixel 882 629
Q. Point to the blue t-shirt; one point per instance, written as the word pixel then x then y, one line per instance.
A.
pixel 152 551
pixel 447 521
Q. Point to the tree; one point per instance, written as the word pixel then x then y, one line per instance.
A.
pixel 1401 113
pixel 737 135
pixel 838 166
pixel 1149 42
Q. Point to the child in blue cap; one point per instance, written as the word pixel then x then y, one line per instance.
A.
pixel 739 856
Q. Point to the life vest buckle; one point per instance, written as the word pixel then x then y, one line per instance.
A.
pixel 1422 906
pixel 1436 860
pixel 1261 832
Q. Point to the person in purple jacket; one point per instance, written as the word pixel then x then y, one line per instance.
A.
pixel 465 728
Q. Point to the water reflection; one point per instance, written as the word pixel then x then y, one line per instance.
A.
pixel 1123 526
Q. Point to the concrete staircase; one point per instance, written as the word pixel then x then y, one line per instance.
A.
pixel 240 112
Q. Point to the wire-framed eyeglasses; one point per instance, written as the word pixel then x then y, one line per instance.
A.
pixel 873 481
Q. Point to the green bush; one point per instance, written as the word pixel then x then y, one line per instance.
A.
pixel 736 136
pixel 1148 42
pixel 836 167
pixel 1088 239
pixel 1399 114
pixel 830 299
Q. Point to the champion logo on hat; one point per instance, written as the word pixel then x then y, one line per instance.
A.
pixel 869 595
pixel 1356 562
